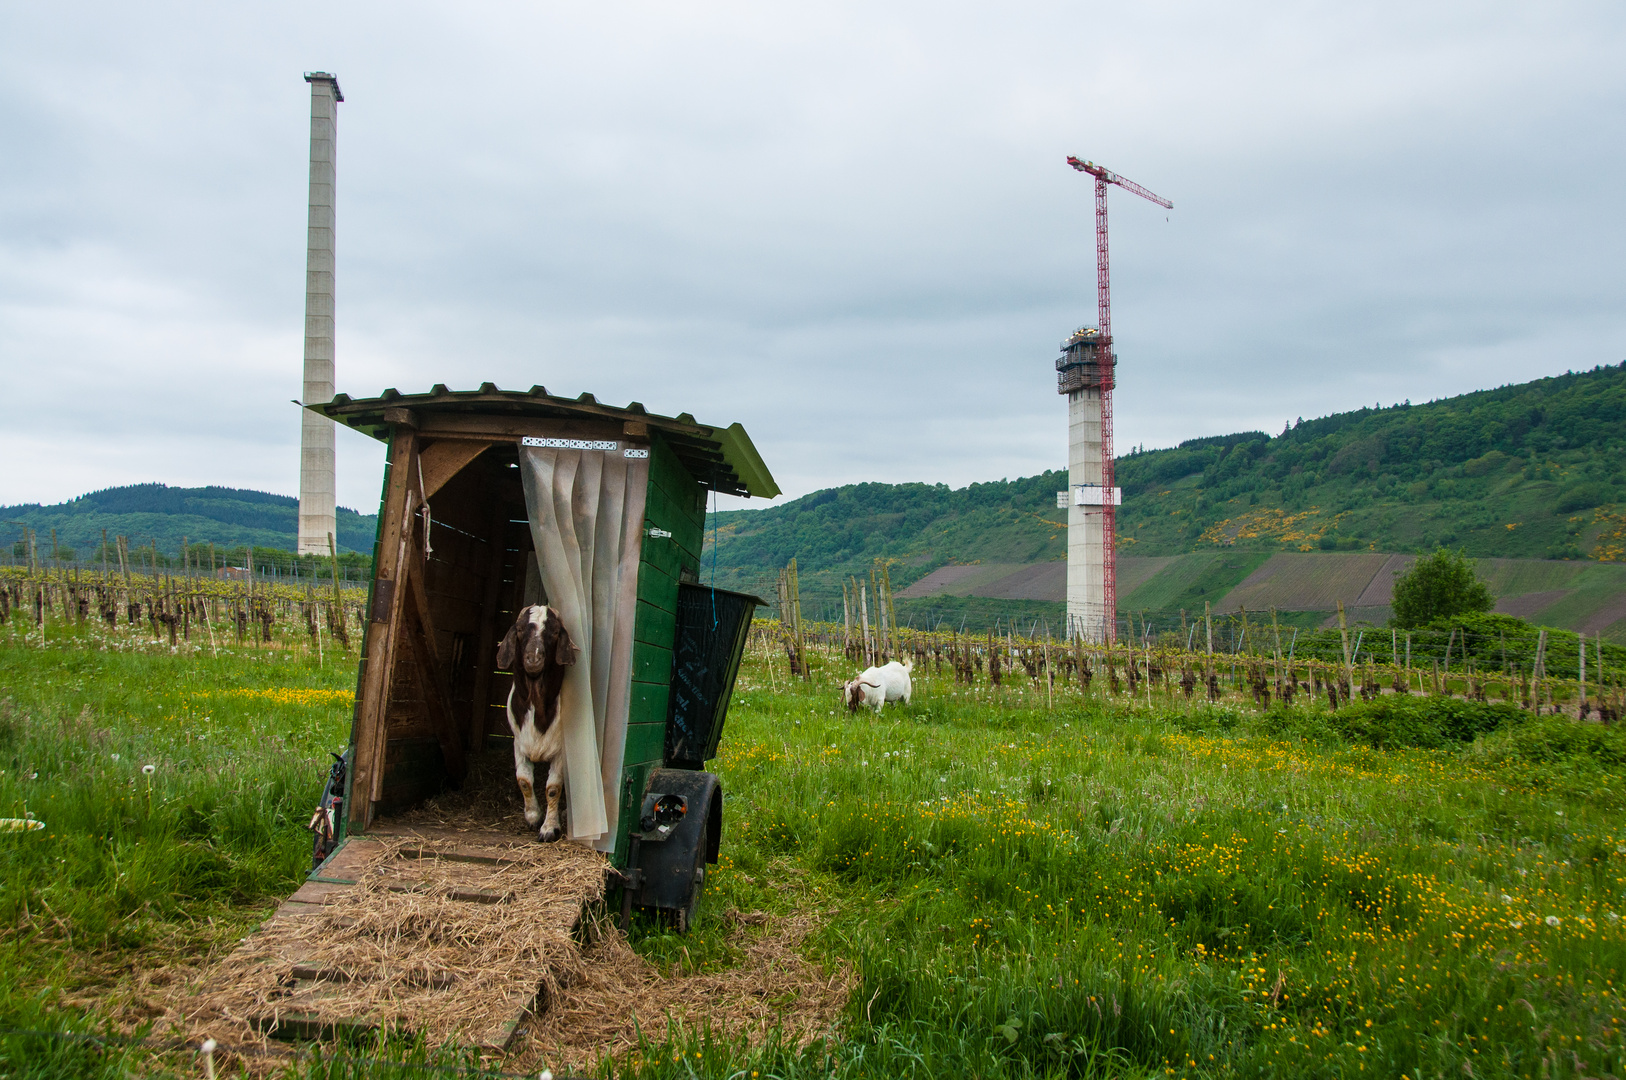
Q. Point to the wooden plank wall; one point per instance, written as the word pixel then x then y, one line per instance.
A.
pixel 470 538
pixel 677 503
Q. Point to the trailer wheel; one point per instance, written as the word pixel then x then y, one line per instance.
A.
pixel 690 910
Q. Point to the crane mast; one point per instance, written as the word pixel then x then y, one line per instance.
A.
pixel 1106 367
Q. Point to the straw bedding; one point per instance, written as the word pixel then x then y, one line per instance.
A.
pixel 400 948
pixel 409 955
pixel 489 799
pixel 620 995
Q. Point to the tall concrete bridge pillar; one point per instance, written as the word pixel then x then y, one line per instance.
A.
pixel 317 469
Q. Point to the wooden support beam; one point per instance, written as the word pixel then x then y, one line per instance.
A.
pixel 512 428
pixel 444 459
pixel 383 627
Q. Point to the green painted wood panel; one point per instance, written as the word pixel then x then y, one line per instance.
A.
pixel 662 553
pixel 657 589
pixel 675 502
pixel 651 663
pixel 634 778
pixel 646 742
pixel 654 625
pixel 648 705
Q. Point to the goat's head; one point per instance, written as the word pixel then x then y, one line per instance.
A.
pixel 537 638
pixel 853 693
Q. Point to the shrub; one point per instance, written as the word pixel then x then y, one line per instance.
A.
pixel 1429 722
pixel 1556 755
pixel 1492 461
pixel 1582 496
pixel 1557 739
pixel 1439 586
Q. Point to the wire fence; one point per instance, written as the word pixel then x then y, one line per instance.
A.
pixel 186 610
pixel 1542 670
pixel 187 559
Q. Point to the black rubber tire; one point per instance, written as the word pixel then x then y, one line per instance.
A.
pixel 686 915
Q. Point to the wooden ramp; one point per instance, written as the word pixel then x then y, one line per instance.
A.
pixel 455 934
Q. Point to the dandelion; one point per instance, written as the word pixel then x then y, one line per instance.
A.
pixel 1553 920
pixel 149 769
pixel 1506 899
pixel 115 757
pixel 1516 924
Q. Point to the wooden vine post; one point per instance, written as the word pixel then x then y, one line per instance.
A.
pixel 340 631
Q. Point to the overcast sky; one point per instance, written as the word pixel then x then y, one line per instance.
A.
pixel 848 226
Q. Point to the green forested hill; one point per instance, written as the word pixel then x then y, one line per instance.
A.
pixel 1527 471
pixel 148 513
pixel 921 525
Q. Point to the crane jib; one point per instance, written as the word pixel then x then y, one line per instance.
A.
pixel 1107 176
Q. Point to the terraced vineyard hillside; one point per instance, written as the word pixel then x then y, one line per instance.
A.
pixel 1530 478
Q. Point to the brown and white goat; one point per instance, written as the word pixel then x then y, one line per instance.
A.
pixel 537 650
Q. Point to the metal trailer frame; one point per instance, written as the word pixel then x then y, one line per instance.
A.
pixel 427 688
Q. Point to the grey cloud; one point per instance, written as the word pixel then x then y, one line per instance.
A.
pixel 849 227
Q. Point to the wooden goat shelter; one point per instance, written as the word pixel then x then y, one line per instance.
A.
pixel 458 922
pixel 494 499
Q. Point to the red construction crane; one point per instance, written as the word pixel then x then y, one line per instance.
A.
pixel 1108 368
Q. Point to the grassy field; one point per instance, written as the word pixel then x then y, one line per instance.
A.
pixel 1105 887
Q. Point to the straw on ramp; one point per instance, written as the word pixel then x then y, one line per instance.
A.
pixel 447 937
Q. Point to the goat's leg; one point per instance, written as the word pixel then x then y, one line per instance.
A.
pixel 525 773
pixel 551 829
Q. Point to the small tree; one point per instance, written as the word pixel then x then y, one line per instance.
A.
pixel 1439 586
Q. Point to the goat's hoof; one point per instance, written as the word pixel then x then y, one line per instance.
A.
pixel 548 836
pixel 533 818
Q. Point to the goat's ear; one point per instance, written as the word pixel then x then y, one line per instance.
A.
pixel 564 650
pixel 505 651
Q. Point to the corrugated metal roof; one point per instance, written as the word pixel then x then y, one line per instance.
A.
pixel 721 458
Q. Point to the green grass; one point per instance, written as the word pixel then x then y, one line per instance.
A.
pixel 978 614
pixel 1112 887
pixel 137 867
pixel 1510 577
pixel 1009 872
pixel 1307 581
pixel 1162 589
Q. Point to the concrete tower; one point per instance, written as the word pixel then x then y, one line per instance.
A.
pixel 317 474
pixel 1079 376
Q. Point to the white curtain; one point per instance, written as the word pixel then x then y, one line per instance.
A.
pixel 585 502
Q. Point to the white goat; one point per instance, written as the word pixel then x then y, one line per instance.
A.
pixel 878 685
